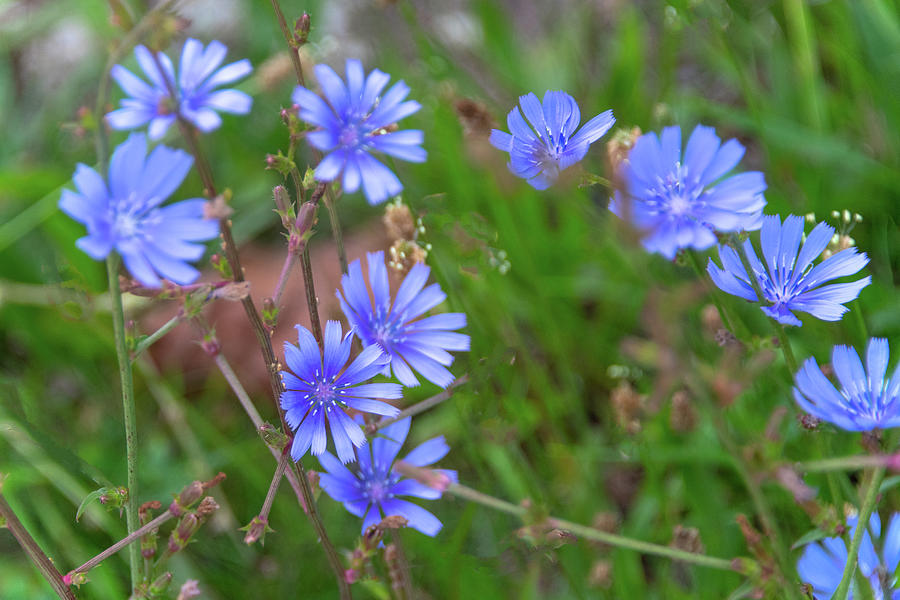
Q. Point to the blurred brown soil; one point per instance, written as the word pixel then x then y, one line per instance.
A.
pixel 180 349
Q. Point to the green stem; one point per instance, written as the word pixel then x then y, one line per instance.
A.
pixel 596 535
pixel 862 523
pixel 844 463
pixel 128 409
pixel 156 335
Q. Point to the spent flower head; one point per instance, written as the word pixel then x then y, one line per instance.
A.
pixel 679 200
pixel 352 124
pixel 410 343
pixel 124 214
pixel 866 399
pixel 789 281
pixel 544 141
pixel 321 387
pixel 197 98
pixel 371 490
pixel 822 563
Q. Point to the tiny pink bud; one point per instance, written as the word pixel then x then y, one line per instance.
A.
pixel 351 576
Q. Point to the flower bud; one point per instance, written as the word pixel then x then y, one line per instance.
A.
pixel 159 585
pixel 181 535
pixel 190 589
pixel 283 205
pixel 301 29
pixel 256 530
pixel 273 437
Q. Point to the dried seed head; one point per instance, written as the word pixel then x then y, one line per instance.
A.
pixel 687 539
pixel 683 417
pixel 618 148
pixel 474 116
pixel 399 222
pixel 601 574
pixel 405 255
pixel 626 404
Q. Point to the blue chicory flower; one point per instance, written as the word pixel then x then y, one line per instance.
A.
pixel 371 491
pixel 321 388
pixel 680 201
pixel 353 123
pixel 822 563
pixel 866 399
pixel 197 99
pixel 791 282
pixel 422 344
pixel 544 142
pixel 125 215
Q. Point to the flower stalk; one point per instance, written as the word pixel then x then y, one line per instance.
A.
pixel 128 411
pixel 865 511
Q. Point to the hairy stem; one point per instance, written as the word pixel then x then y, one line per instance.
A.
pixel 596 535
pixel 865 511
pixel 156 335
pixel 131 537
pixel 128 410
pixel 34 552
pixel 420 407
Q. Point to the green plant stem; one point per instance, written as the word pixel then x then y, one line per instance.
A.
pixel 862 523
pixel 596 535
pixel 420 407
pixel 156 335
pixel 34 552
pixel 783 340
pixel 845 463
pixel 128 410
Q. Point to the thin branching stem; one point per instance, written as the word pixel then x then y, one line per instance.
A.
pixel 131 537
pixel 865 511
pixel 151 339
pixel 596 535
pixel 128 410
pixel 34 552
pixel 420 407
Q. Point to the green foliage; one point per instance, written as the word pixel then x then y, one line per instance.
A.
pixel 813 90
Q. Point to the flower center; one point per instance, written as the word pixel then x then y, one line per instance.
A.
pixel 674 196
pixel 350 136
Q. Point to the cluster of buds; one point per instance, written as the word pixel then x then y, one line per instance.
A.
pixel 404 230
pixel 845 221
pixel 367 546
pixel 113 498
pixel 192 493
pixel 189 524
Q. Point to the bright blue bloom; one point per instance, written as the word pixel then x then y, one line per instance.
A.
pixel 822 563
pixel 353 123
pixel 126 215
pixel 544 142
pixel 791 282
pixel 680 201
pixel 423 344
pixel 372 490
pixel 321 388
pixel 197 97
pixel 865 401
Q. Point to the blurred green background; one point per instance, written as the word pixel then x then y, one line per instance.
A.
pixel 579 339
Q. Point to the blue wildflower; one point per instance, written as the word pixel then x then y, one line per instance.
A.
pixel 544 142
pixel 679 201
pixel 822 563
pixel 321 388
pixel 197 97
pixel 865 401
pixel 422 344
pixel 791 282
pixel 353 123
pixel 126 215
pixel 372 490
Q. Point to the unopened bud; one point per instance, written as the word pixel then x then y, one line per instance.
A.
pixel 809 422
pixel 256 530
pixel 601 574
pixel 210 346
pixel 190 589
pixel 301 29
pixel 306 218
pixel 160 584
pixel 372 536
pixel 75 579
pixel 687 539
pixel 683 417
pixel 181 535
pixel 269 313
pixel 217 209
pixel 233 292
pixel 351 576
pixel 221 265
pixel 619 147
pixel 273 437
pixel 283 205
pixel 188 496
pixel 626 404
